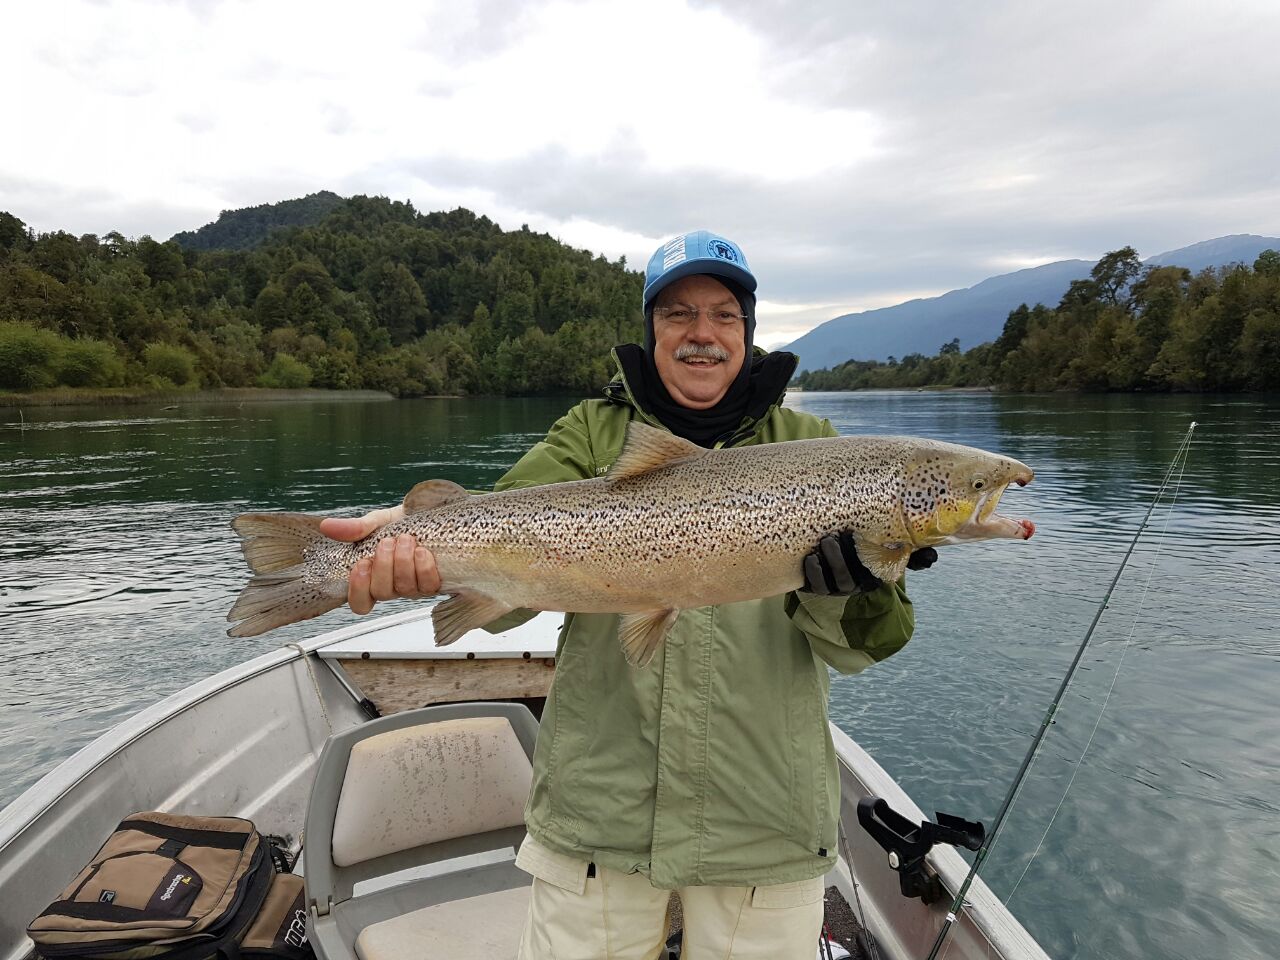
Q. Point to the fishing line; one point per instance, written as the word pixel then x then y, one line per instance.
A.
pixel 1146 588
pixel 957 904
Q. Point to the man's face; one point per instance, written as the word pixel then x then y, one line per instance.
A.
pixel 698 351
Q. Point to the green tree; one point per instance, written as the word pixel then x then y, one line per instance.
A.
pixel 161 261
pixel 1014 332
pixel 1268 263
pixel 169 362
pixel 1114 273
pixel 286 373
pixel 401 306
pixel 1157 298
pixel 13 233
pixel 29 356
pixel 1260 350
pixel 271 308
pixel 90 363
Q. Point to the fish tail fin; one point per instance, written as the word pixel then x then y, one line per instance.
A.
pixel 273 544
pixel 275 541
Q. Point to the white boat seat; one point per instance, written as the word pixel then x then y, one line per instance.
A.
pixel 427 784
pixel 403 806
pixel 483 927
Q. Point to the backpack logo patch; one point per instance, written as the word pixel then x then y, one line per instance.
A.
pixel 296 934
pixel 173 885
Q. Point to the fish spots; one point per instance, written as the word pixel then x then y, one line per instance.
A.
pixel 665 539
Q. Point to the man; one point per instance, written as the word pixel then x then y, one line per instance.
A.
pixel 711 771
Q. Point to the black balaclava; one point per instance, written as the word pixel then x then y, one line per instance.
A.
pixel 703 427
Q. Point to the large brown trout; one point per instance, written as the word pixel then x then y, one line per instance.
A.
pixel 670 526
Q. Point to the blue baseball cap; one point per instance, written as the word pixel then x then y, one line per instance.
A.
pixel 692 253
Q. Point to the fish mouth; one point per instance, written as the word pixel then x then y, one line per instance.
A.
pixel 985 524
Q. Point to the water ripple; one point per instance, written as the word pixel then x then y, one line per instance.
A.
pixel 119 565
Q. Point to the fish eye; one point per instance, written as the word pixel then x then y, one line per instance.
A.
pixel 979 483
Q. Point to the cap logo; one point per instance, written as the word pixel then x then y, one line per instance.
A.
pixel 673 253
pixel 718 248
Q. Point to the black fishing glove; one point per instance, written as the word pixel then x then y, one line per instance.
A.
pixel 833 569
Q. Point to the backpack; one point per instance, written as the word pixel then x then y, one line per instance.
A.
pixel 171 887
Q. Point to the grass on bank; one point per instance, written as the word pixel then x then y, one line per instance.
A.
pixel 112 396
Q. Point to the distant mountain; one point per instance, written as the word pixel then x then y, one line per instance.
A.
pixel 249 226
pixel 977 314
pixel 1240 248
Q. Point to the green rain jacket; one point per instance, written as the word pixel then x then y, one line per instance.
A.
pixel 714 764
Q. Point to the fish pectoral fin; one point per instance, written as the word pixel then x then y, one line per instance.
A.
pixel 647 449
pixel 430 494
pixel 642 633
pixel 460 613
pixel 888 562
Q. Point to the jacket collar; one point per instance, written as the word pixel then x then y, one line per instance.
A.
pixel 770 374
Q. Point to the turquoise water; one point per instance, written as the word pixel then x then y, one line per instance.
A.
pixel 118 567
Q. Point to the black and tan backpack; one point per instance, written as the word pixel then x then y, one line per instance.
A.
pixel 169 887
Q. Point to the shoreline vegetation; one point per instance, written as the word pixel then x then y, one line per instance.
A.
pixel 128 396
pixel 122 396
pixel 333 294
pixel 1127 328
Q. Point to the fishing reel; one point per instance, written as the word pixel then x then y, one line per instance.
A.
pixel 907 843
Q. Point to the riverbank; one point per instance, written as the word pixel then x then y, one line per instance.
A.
pixel 119 396
pixel 926 389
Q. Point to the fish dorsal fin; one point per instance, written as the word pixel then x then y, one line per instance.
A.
pixel 648 448
pixel 642 633
pixel 430 494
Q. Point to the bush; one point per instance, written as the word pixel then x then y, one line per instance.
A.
pixel 175 364
pixel 286 373
pixel 29 356
pixel 90 363
pixel 405 372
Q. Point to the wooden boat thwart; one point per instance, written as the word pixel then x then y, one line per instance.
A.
pixel 246 742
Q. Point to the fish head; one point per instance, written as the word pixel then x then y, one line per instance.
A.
pixel 950 493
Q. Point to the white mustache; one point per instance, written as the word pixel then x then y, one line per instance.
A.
pixel 708 350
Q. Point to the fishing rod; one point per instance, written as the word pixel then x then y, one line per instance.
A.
pixel 957 904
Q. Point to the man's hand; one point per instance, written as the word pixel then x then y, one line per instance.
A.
pixel 399 568
pixel 833 569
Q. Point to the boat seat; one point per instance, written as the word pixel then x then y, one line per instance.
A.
pixel 483 928
pixel 411 831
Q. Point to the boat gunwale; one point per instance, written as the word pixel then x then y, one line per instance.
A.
pixel 989 914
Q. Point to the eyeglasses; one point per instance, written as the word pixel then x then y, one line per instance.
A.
pixel 683 314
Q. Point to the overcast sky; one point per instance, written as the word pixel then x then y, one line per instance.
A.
pixel 861 153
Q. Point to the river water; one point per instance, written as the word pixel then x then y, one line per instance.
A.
pixel 117 567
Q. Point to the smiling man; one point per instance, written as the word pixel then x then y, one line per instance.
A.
pixel 698 349
pixel 711 771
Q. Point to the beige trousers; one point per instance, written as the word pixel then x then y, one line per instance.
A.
pixel 619 916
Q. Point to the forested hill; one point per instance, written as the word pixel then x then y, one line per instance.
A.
pixel 373 295
pixel 250 226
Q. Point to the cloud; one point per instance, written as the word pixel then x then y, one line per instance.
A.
pixel 857 151
pixel 44 204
